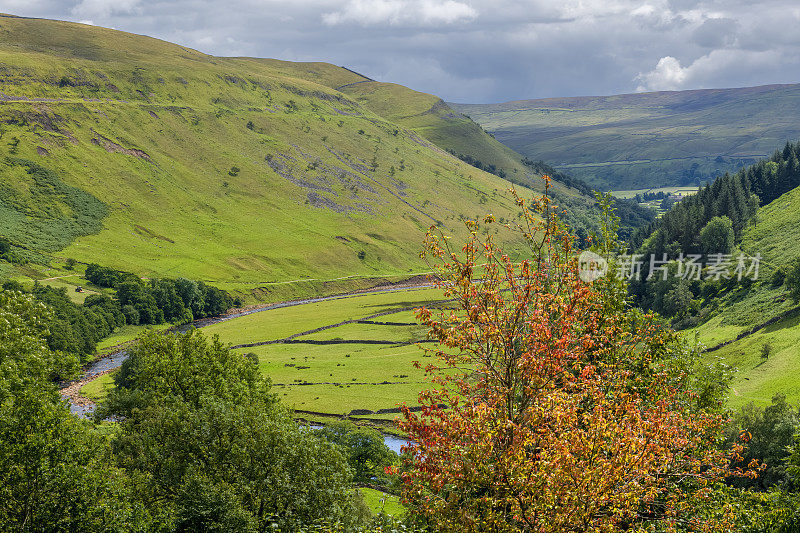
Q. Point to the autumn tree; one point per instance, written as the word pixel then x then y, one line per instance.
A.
pixel 554 407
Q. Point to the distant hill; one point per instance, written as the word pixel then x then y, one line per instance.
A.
pixel 638 141
pixel 251 174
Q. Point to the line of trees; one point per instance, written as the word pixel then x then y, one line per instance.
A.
pixel 161 300
pixel 77 328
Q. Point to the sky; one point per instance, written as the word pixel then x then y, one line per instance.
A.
pixel 481 51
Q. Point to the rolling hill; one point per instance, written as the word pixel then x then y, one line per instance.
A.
pixel 640 141
pixel 261 176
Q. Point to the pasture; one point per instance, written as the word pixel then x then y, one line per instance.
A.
pixel 351 355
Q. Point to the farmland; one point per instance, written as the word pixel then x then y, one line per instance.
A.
pixel 333 357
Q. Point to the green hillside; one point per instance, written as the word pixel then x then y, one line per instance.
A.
pixel 775 237
pixel 252 174
pixel 425 113
pixel 638 141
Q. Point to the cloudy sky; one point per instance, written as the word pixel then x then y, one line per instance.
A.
pixel 481 50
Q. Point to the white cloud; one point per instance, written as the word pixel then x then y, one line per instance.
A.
pixel 667 76
pixel 401 12
pixel 719 68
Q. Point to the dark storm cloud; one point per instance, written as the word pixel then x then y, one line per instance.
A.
pixel 480 50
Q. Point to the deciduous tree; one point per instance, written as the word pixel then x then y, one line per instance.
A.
pixel 553 408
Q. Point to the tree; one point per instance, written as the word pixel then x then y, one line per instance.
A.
pixel 198 417
pixel 717 236
pixel 678 301
pixel 771 433
pixel 546 391
pixel 135 293
pixel 792 280
pixel 364 448
pixel 54 473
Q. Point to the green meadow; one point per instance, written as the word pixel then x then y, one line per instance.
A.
pixel 343 374
pixel 379 502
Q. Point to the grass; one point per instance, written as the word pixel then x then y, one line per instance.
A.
pixel 71 284
pixel 328 186
pixel 649 139
pixel 280 323
pixel 758 380
pixel 97 389
pixel 126 334
pixel 379 501
pixel 338 378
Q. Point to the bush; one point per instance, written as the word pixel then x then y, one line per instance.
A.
pixel 766 351
pixel 778 277
pixel 131 315
pixel 793 280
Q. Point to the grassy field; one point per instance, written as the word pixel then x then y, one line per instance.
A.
pixel 258 176
pixel 381 502
pixel 348 372
pixel 643 140
pixel 97 389
pixel 678 191
pixel 338 377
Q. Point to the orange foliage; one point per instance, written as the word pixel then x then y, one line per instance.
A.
pixel 552 408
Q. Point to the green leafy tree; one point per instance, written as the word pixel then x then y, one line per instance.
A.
pixel 717 236
pixel 770 431
pixel 54 472
pixel 212 449
pixel 364 447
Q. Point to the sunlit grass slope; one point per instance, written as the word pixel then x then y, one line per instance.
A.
pixel 425 113
pixel 241 172
pixel 775 237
